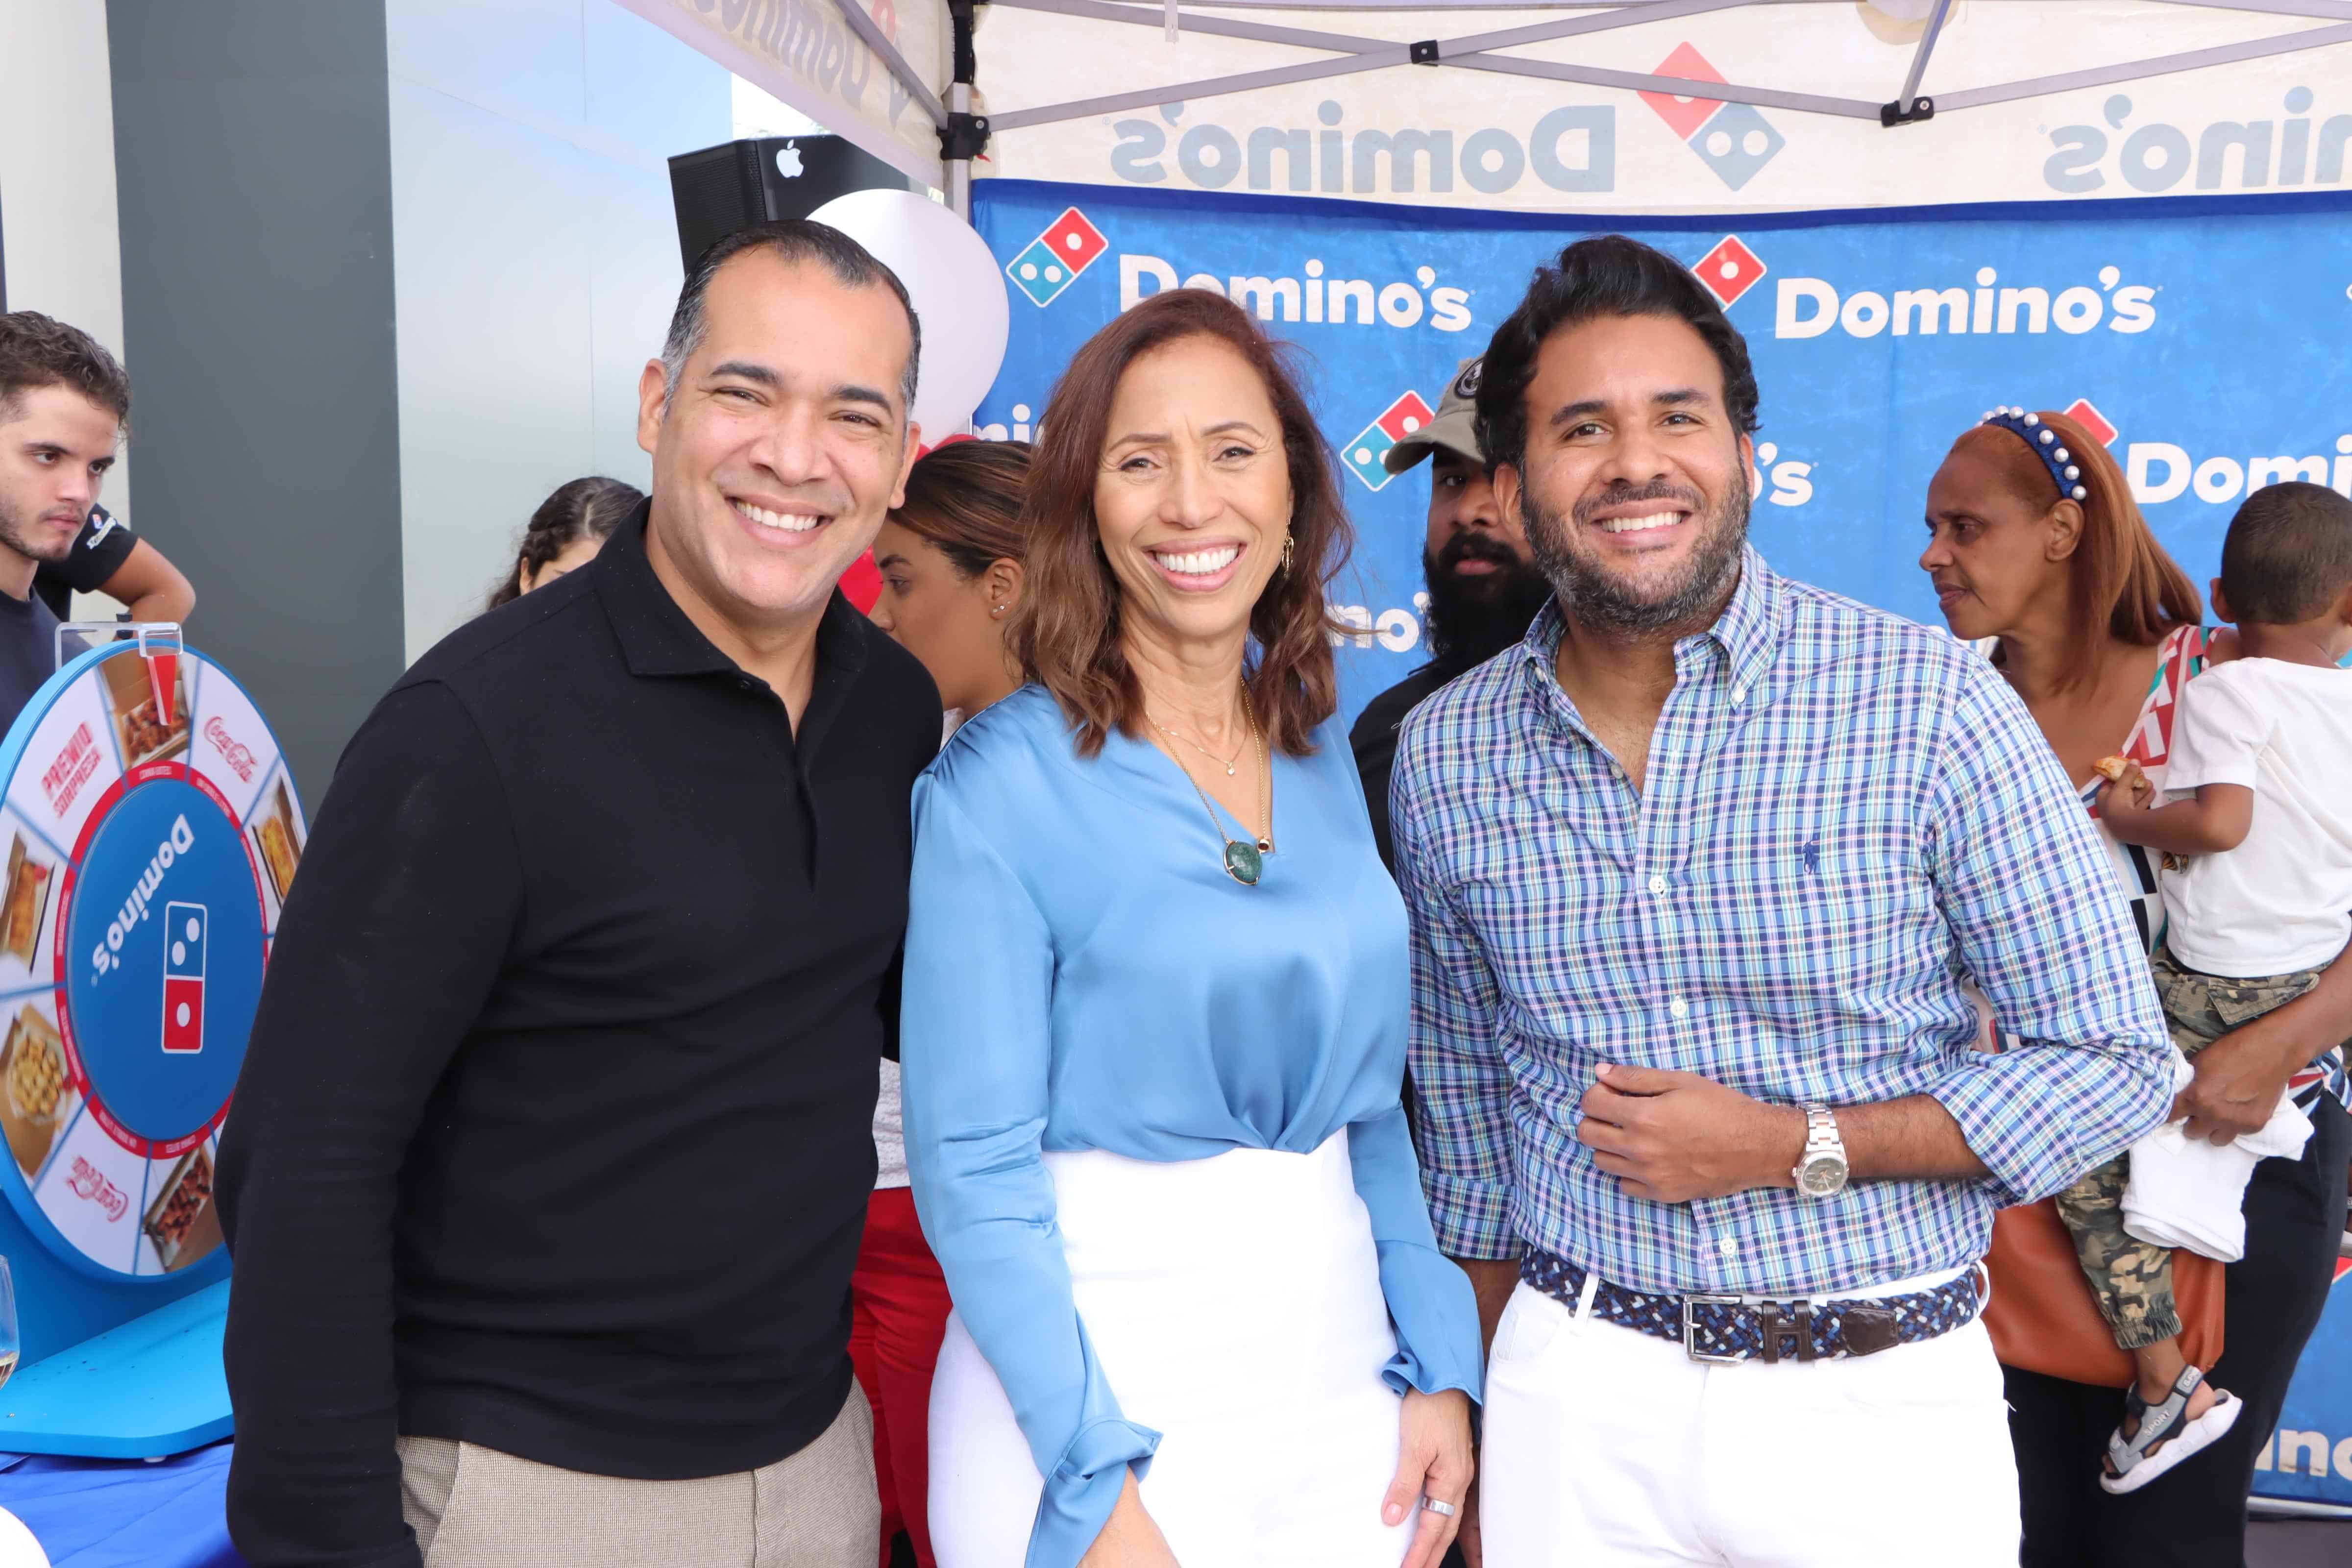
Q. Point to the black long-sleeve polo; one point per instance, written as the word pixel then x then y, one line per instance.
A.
pixel 554 1130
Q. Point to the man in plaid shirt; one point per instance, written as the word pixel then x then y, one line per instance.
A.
pixel 1698 877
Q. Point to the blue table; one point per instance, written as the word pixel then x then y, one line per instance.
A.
pixel 125 1513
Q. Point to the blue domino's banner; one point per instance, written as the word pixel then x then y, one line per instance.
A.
pixel 2209 336
pixel 2206 340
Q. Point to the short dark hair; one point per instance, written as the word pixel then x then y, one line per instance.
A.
pixel 1608 275
pixel 791 240
pixel 591 508
pixel 2288 555
pixel 37 351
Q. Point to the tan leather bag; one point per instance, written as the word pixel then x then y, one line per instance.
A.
pixel 2045 1319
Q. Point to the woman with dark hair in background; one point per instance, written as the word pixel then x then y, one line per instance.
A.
pixel 1154 1021
pixel 950 560
pixel 566 531
pixel 2038 552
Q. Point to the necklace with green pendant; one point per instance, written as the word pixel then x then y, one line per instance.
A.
pixel 1244 861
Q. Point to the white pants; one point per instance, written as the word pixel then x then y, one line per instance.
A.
pixel 1235 1306
pixel 1607 1448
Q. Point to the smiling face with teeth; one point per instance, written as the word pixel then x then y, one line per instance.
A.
pixel 779 451
pixel 1192 496
pixel 1633 491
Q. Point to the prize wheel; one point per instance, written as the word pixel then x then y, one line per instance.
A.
pixel 152 830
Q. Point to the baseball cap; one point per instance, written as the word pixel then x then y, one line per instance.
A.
pixel 1451 430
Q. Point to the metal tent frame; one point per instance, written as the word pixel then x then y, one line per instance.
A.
pixel 963 136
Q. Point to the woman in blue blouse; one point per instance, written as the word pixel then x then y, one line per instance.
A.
pixel 1154 1022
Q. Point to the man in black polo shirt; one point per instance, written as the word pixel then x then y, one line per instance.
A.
pixel 549 1159
pixel 1484 590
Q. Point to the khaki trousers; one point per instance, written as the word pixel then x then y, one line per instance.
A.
pixel 473 1506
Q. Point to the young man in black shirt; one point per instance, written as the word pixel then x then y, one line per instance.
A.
pixel 1482 590
pixel 63 404
pixel 550 1154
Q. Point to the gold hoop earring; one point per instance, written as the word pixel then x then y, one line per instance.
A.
pixel 1288 543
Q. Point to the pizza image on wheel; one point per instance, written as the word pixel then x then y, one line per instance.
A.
pixel 33 1087
pixel 280 841
pixel 26 899
pixel 181 1223
pixel 37 1067
pixel 131 696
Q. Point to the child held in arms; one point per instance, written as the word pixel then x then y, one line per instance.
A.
pixel 2257 829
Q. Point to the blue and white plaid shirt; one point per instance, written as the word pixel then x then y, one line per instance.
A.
pixel 1844 815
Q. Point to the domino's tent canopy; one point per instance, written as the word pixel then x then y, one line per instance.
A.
pixel 1650 105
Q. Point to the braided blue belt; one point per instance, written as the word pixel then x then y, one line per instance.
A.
pixel 1734 1328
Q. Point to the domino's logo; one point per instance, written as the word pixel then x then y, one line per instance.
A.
pixel 1052 261
pixel 2085 413
pixel 1730 270
pixel 1364 455
pixel 1732 139
pixel 185 927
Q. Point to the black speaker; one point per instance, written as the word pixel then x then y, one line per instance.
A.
pixel 721 189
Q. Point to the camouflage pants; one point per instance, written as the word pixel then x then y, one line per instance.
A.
pixel 2132 1279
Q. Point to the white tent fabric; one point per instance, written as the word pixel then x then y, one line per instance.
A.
pixel 873 71
pixel 1578 106
pixel 2033 100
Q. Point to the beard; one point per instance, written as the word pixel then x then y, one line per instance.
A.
pixel 18 536
pixel 1471 619
pixel 1590 594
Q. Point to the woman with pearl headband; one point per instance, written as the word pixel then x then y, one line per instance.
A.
pixel 2038 555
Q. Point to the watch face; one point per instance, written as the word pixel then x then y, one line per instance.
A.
pixel 1820 1176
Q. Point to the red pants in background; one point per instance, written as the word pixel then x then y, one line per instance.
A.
pixel 900 1304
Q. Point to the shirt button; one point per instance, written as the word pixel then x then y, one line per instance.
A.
pixel 1678 1008
pixel 1726 1247
pixel 1737 692
pixel 1657 884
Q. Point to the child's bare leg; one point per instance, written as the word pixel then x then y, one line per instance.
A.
pixel 2160 1366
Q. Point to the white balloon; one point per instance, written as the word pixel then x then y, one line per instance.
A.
pixel 18 1549
pixel 959 294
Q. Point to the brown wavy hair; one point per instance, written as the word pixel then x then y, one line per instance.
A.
pixel 2121 578
pixel 1066 632
pixel 965 496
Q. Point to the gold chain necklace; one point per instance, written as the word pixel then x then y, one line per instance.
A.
pixel 1225 763
pixel 1244 861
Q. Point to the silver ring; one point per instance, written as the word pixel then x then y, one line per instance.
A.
pixel 1438 1505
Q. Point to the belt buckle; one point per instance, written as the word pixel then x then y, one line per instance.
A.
pixel 1690 1330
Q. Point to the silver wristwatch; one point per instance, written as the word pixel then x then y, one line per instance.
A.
pixel 1821 1170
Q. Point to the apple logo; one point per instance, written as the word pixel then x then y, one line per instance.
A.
pixel 788 162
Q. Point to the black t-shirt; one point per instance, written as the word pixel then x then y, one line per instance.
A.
pixel 99 551
pixel 555 1130
pixel 1374 741
pixel 29 653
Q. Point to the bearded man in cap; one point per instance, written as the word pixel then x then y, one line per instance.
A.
pixel 1483 588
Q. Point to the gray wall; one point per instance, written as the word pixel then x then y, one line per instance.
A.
pixel 254 175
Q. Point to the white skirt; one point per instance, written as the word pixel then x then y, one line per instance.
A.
pixel 1234 1303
